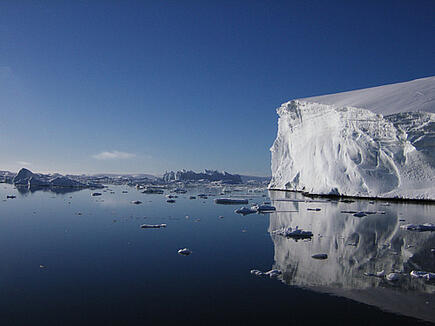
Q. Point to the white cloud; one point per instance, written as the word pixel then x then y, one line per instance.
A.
pixel 113 155
pixel 24 163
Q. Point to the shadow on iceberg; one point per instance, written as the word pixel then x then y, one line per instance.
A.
pixel 357 248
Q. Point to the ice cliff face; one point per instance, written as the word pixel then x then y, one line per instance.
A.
pixel 323 148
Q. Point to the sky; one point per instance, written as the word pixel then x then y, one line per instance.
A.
pixel 148 86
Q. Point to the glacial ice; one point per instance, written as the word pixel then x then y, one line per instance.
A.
pixel 375 142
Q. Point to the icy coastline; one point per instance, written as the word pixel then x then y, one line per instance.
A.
pixel 328 149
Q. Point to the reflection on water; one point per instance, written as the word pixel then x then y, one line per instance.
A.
pixel 357 245
pixel 99 267
pixel 24 190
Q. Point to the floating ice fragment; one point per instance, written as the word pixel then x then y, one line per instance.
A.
pixel 153 226
pixel 422 274
pixel 151 190
pixel 96 194
pixel 392 277
pixel 256 272
pixel 245 210
pixel 170 201
pixel 377 274
pixel 185 252
pixel 263 208
pixel 273 273
pixel 136 202
pixel 230 201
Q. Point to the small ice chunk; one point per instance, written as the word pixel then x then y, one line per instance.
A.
pixel 263 208
pixel 392 277
pixel 377 274
pixel 170 201
pixel 273 273
pixel 422 274
pixel 230 201
pixel 245 210
pixel 152 226
pixel 256 272
pixel 380 274
pixel 136 202
pixel 430 276
pixel 96 194
pixel 184 252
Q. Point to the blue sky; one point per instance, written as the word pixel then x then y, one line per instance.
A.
pixel 148 86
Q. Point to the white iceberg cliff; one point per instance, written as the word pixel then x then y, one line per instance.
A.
pixel 375 142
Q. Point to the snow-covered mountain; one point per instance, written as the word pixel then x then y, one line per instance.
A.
pixel 374 142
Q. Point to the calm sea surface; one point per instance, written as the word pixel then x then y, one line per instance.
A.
pixel 75 259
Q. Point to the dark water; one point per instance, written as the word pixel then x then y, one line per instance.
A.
pixel 74 259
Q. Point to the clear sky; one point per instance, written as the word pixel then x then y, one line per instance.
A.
pixel 145 86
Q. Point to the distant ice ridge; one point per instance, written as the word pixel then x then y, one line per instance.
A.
pixel 29 179
pixel 326 146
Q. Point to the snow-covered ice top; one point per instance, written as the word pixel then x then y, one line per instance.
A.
pixel 414 95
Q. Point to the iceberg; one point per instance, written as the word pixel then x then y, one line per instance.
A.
pixel 230 201
pixel 376 143
pixel 26 178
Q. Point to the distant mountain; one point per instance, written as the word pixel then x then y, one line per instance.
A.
pixel 26 178
pixel 209 175
pixel 134 175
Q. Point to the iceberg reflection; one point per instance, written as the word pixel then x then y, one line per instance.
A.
pixel 357 247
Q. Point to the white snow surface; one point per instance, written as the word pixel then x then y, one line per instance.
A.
pixel 414 95
pixel 326 145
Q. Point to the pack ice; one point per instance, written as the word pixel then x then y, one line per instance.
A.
pixel 374 142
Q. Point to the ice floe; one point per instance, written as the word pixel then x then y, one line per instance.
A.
pixel 152 226
pixel 230 201
pixel 185 252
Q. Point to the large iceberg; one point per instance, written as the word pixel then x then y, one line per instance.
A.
pixel 375 142
pixel 26 178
